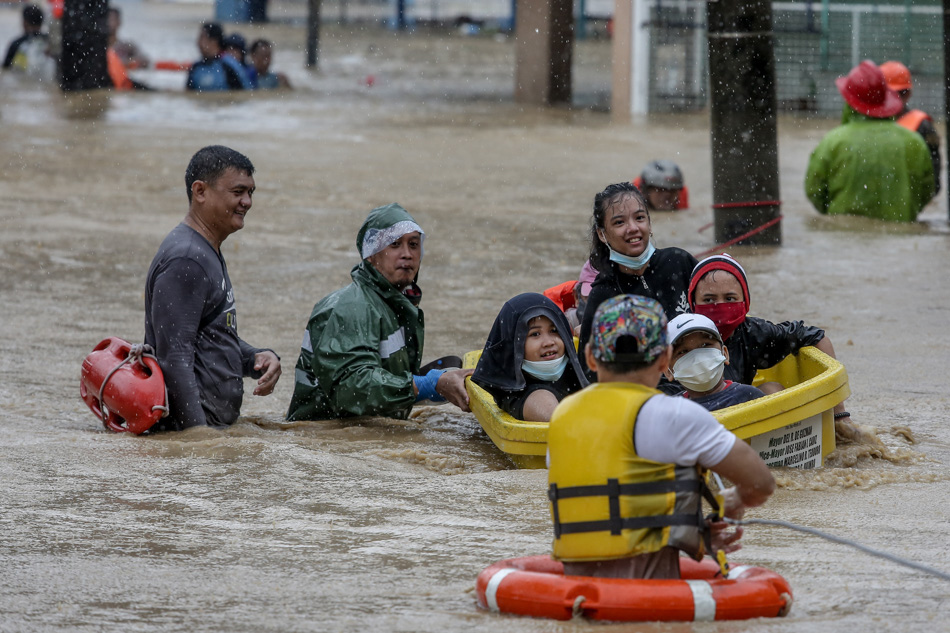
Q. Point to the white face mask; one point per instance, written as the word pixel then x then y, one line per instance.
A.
pixel 549 370
pixel 634 263
pixel 700 369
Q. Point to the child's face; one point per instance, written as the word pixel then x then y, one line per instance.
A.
pixel 718 287
pixel 543 342
pixel 626 227
pixel 695 340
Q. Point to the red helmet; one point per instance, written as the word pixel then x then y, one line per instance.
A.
pixel 866 90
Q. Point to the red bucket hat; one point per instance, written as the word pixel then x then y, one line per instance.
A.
pixel 866 90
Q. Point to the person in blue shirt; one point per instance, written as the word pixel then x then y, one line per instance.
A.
pixel 699 358
pixel 261 53
pixel 235 47
pixel 214 71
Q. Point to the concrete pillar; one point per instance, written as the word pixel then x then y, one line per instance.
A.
pixel 544 44
pixel 621 44
pixel 82 64
pixel 742 104
pixel 631 59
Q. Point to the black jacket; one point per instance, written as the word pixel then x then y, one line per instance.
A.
pixel 759 344
pixel 666 279
pixel 499 369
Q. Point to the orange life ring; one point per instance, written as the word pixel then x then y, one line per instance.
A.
pixel 537 586
pixel 126 391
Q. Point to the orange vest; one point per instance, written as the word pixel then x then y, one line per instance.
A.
pixel 913 119
pixel 120 78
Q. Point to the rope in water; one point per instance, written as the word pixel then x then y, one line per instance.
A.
pixel 754 231
pixel 843 541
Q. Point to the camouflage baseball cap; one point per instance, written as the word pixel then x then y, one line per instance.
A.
pixel 628 329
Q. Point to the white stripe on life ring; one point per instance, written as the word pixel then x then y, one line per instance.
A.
pixel 737 571
pixel 704 606
pixel 492 589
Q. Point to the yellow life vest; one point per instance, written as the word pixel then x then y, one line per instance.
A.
pixel 606 501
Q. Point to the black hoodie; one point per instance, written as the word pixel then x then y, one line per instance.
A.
pixel 499 368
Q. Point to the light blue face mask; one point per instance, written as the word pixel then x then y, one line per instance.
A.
pixel 634 263
pixel 549 370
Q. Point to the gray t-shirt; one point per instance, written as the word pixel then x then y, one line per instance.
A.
pixel 191 322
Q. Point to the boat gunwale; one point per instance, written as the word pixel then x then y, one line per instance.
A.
pixel 525 442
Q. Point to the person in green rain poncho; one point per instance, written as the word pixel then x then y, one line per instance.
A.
pixel 869 165
pixel 362 349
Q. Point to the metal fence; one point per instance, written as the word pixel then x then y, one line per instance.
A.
pixel 492 12
pixel 814 44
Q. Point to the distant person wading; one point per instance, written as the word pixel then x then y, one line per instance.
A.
pixel 869 165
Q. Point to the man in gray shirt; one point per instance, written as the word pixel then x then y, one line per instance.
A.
pixel 190 314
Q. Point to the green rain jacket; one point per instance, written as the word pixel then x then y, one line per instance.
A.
pixel 362 345
pixel 871 167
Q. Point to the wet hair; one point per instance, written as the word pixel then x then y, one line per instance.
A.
pixel 611 195
pixel 214 31
pixel 210 162
pixel 237 42
pixel 33 15
pixel 261 43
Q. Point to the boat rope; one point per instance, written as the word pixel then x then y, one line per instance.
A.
pixel 135 355
pixel 842 541
pixel 578 608
pixel 734 240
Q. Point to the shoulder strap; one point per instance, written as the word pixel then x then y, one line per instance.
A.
pixel 613 490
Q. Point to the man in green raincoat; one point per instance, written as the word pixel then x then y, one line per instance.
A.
pixel 361 353
pixel 869 165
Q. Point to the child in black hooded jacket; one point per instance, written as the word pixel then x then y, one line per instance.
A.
pixel 529 362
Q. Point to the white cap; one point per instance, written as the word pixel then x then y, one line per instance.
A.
pixel 683 324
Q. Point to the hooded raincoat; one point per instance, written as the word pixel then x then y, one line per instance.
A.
pixel 363 343
pixel 870 167
pixel 499 369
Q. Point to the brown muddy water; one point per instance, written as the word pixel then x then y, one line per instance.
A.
pixel 383 525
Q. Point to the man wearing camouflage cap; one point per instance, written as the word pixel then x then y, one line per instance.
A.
pixel 627 463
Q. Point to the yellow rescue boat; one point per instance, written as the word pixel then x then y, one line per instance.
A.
pixel 793 427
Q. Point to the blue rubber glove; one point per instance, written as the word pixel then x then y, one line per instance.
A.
pixel 426 386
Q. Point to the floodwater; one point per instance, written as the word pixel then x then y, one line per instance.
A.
pixel 383 525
